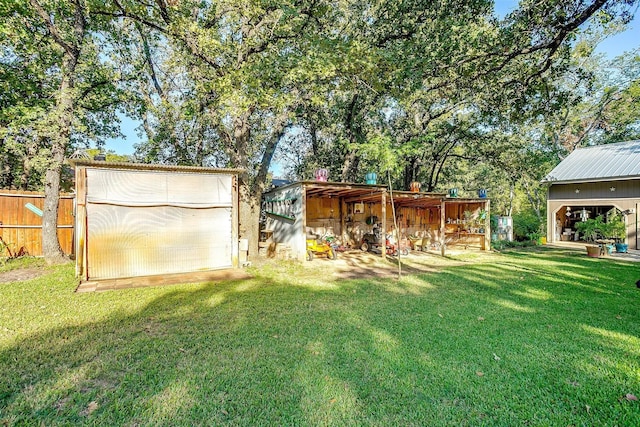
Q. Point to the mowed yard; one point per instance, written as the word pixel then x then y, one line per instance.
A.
pixel 529 337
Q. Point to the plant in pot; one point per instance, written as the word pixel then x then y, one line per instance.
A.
pixel 616 229
pixel 590 230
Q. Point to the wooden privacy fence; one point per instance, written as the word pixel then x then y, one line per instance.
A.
pixel 21 224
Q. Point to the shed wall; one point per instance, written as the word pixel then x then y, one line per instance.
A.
pixel 285 218
pixel 142 222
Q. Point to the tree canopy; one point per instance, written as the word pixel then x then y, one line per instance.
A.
pixel 422 89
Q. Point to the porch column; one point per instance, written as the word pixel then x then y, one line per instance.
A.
pixel 343 224
pixel 551 223
pixel 302 255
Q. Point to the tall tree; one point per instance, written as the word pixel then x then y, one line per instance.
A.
pixel 66 95
pixel 242 65
pixel 59 29
pixel 429 72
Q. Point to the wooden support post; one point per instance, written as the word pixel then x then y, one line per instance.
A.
pixel 343 224
pixel 235 222
pixel 383 234
pixel 487 227
pixel 302 255
pixel 443 241
pixel 81 223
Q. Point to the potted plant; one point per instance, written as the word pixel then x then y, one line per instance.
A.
pixel 616 229
pixel 590 230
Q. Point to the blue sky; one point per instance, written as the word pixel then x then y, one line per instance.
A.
pixel 611 47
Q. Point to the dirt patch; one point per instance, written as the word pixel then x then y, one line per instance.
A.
pixel 357 265
pixel 21 275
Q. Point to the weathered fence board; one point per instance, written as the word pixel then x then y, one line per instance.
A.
pixel 22 227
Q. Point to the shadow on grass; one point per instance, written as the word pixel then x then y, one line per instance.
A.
pixel 538 338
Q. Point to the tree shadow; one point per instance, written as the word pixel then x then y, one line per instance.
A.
pixel 449 347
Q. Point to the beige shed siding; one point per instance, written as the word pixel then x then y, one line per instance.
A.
pixel 596 190
pixel 143 223
pixel 147 188
pixel 287 231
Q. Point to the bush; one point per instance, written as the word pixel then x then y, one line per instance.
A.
pixel 527 226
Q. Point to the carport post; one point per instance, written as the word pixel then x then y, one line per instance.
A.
pixel 442 227
pixel 383 235
pixel 487 226
pixel 343 224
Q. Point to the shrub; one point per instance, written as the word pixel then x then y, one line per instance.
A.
pixel 525 225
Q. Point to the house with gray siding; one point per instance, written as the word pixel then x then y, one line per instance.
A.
pixel 593 181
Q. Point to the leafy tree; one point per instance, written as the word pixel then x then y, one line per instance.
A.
pixel 59 93
pixel 432 82
pixel 237 70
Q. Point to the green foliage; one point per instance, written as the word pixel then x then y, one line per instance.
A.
pixel 57 87
pixel 592 229
pixel 612 228
pixel 527 226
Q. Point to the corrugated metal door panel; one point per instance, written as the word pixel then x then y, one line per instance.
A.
pixel 125 186
pixel 140 188
pixel 195 189
pixel 125 241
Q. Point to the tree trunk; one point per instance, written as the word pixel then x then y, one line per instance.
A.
pixel 249 217
pixel 50 244
pixel 61 129
pixel 59 124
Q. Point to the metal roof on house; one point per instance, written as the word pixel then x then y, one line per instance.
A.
pixel 599 163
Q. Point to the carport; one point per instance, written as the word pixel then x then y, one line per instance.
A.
pixel 348 211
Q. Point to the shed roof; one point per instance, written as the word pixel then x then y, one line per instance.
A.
pixel 146 166
pixel 599 163
pixel 371 193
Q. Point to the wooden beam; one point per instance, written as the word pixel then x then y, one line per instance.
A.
pixel 302 255
pixel 81 223
pixel 343 224
pixel 235 221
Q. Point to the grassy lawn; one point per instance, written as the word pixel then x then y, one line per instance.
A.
pixel 537 337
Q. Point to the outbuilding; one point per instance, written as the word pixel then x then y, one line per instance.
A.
pixel 348 211
pixel 135 220
pixel 593 181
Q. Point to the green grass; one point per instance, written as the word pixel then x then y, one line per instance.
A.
pixel 528 337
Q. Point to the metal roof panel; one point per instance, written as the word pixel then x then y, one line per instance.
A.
pixel 600 162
